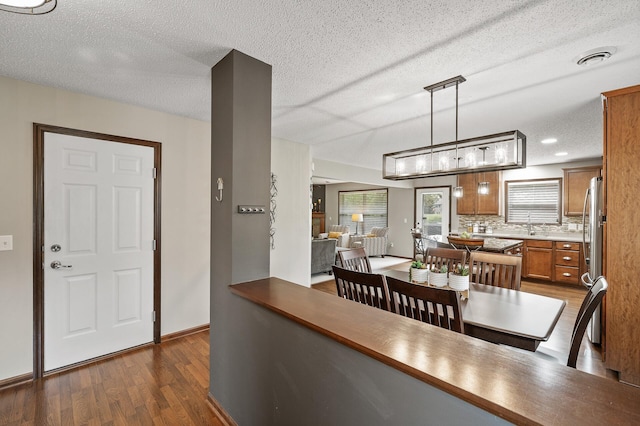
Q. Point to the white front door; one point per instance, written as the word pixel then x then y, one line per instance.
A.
pixel 433 207
pixel 98 247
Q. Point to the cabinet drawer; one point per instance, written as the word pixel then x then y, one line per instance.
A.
pixel 540 243
pixel 564 245
pixel 567 274
pixel 567 258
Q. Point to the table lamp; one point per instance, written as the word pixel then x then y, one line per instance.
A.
pixel 357 217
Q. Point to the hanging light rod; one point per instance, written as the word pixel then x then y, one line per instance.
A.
pixel 500 151
pixel 445 84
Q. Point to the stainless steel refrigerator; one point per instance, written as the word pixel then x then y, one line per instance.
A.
pixel 592 221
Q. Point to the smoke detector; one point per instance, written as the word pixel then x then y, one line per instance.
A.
pixel 595 56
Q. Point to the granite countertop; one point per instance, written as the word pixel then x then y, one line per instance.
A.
pixel 499 244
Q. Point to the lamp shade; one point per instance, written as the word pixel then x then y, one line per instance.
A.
pixel 357 217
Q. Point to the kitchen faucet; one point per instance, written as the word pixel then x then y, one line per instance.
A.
pixel 530 230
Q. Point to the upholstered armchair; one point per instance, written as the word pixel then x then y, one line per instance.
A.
pixel 375 243
pixel 342 237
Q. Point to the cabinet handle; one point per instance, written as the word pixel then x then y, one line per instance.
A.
pixel 567 246
pixel 566 274
pixel 566 258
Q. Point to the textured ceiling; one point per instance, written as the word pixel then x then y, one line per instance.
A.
pixel 348 76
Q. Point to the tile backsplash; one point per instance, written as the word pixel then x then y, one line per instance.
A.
pixel 569 225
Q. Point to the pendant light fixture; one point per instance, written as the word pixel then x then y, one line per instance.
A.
pixel 500 151
pixel 483 186
pixel 458 192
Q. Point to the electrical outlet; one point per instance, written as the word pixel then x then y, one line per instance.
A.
pixel 6 242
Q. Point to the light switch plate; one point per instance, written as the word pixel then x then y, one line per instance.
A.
pixel 6 242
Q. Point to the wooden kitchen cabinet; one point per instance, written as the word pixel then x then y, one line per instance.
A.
pixel 576 182
pixel 567 262
pixel 473 203
pixel 621 178
pixel 538 262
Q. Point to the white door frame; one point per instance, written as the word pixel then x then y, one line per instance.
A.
pixel 39 131
pixel 434 188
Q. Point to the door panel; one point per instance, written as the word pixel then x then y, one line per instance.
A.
pixel 98 199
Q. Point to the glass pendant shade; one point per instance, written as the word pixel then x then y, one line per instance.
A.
pixel 483 188
pixel 458 192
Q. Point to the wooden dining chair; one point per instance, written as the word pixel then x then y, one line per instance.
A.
pixel 363 287
pixel 432 305
pixel 468 244
pixel 355 260
pixel 590 303
pixel 437 257
pixel 499 270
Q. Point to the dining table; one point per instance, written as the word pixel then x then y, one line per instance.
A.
pixel 504 316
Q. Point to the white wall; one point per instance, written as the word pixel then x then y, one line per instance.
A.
pixel 291 257
pixel 185 204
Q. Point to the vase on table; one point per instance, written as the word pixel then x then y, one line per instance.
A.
pixel 438 279
pixel 459 282
pixel 418 275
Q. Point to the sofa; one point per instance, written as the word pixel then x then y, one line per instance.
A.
pixel 323 255
pixel 375 242
pixel 343 238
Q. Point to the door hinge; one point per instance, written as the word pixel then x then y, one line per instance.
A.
pixel 154 245
pixel 154 172
pixel 154 316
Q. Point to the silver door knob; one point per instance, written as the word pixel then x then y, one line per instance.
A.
pixel 56 264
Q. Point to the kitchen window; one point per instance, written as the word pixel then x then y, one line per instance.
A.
pixel 533 201
pixel 371 203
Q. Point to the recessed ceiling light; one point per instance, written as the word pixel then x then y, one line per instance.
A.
pixel 595 56
pixel 28 7
pixel 561 154
pixel 549 140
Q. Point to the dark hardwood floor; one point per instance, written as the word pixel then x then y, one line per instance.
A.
pixel 557 347
pixel 165 384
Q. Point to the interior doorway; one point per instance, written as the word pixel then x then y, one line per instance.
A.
pixel 96 245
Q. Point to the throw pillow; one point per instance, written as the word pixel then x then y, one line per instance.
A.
pixel 335 234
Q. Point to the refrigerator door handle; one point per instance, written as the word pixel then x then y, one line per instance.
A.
pixel 584 226
pixel 586 280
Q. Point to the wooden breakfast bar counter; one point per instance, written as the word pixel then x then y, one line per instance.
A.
pixel 517 387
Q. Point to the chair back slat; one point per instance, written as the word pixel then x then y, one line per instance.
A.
pixel 437 257
pixel 591 301
pixel 440 307
pixel 499 270
pixel 362 287
pixel 355 260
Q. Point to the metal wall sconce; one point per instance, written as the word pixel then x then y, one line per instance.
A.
pixel 500 151
pixel 458 192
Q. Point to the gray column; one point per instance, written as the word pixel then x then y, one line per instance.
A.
pixel 241 156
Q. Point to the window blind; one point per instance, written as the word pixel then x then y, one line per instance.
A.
pixel 533 201
pixel 371 203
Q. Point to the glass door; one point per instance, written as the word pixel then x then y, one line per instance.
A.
pixel 433 212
